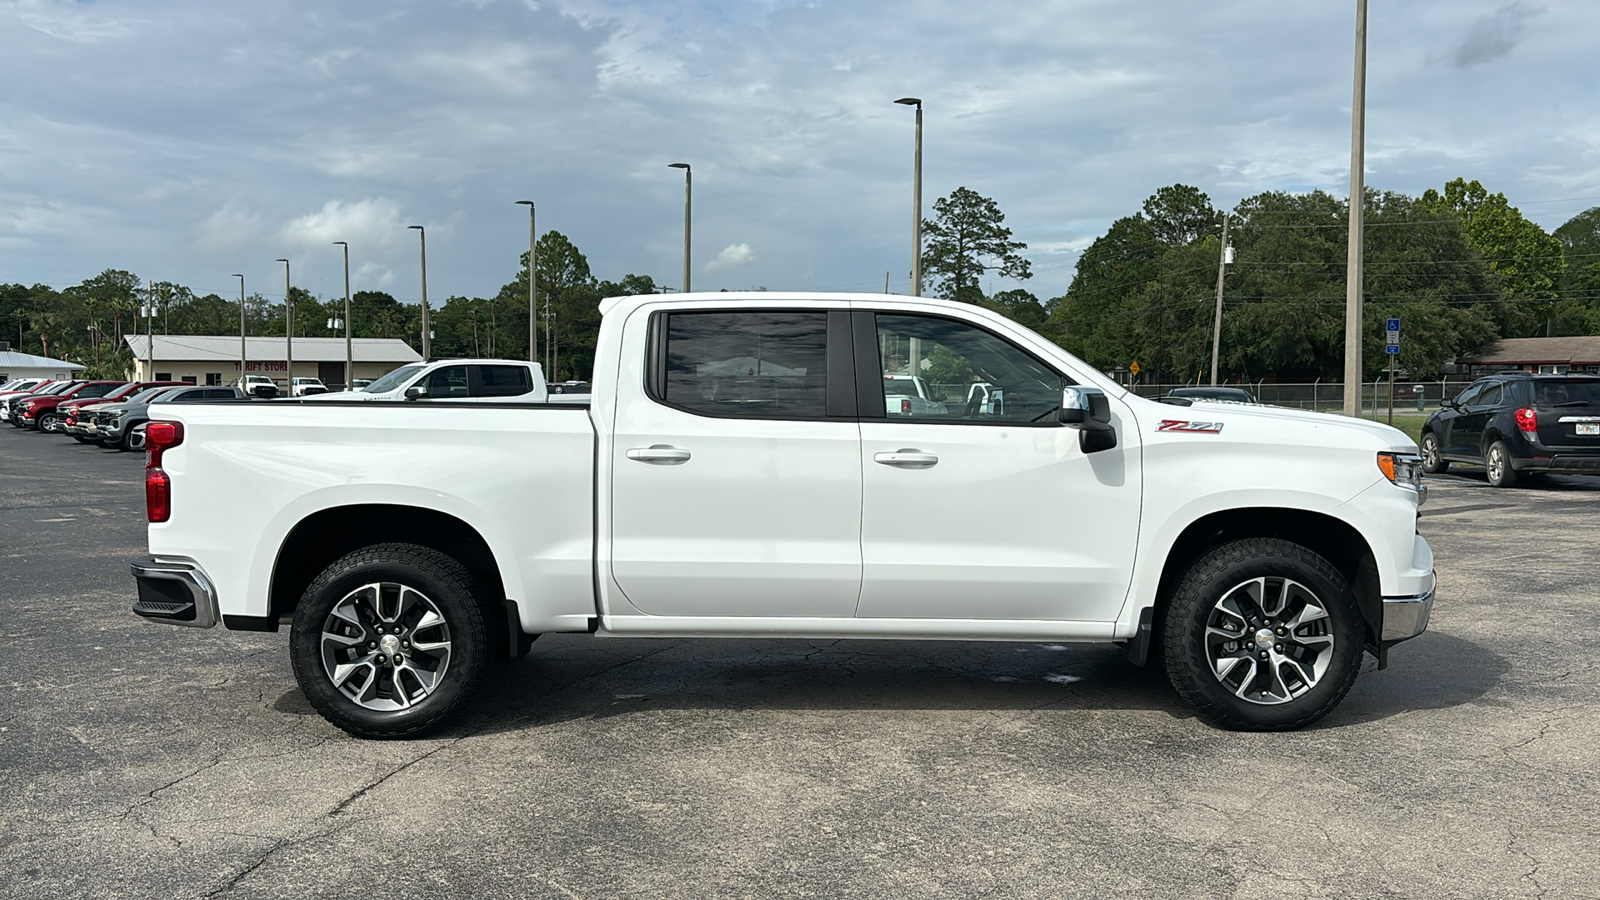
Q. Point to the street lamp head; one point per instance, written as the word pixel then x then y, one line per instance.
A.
pixel 528 203
pixel 910 101
pixel 342 243
pixel 677 165
pixel 280 259
pixel 236 275
pixel 414 228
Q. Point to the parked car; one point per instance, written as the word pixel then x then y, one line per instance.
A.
pixel 21 386
pixel 260 386
pixel 1185 396
pixel 43 386
pixel 120 426
pixel 39 411
pixel 305 387
pixel 1517 424
pixel 699 494
pixel 357 384
pixel 474 380
pixel 74 423
pixel 911 395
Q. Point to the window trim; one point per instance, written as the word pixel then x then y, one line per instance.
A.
pixel 839 366
pixel 869 359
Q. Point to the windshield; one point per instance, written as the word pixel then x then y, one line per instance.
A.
pixel 393 380
pixel 1547 394
pixel 145 395
pixel 59 387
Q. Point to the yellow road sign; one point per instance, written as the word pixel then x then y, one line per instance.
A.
pixel 1133 368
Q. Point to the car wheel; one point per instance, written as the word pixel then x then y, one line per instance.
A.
pixel 1262 635
pixel 1433 462
pixel 49 422
pixel 389 641
pixel 1497 462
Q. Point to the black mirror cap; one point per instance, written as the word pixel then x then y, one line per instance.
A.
pixel 1099 408
pixel 1094 440
pixel 416 391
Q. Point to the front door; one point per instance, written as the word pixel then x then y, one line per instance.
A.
pixel 980 505
pixel 736 475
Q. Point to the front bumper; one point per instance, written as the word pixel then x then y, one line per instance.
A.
pixel 174 590
pixel 1406 617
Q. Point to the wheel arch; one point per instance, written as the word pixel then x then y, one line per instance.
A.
pixel 324 536
pixel 1330 537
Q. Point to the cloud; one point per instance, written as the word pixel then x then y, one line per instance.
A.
pixel 732 257
pixel 372 223
pixel 1495 35
pixel 72 21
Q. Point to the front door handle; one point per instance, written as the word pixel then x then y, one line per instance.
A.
pixel 906 458
pixel 660 454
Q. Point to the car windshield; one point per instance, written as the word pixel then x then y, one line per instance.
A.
pixel 392 380
pixel 60 387
pixel 308 381
pixel 167 394
pixel 1566 393
pixel 145 395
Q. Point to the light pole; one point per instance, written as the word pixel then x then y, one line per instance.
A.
pixel 150 332
pixel 349 357
pixel 1223 259
pixel 533 285
pixel 916 201
pixel 288 329
pixel 688 196
pixel 241 329
pixel 423 234
pixel 1358 200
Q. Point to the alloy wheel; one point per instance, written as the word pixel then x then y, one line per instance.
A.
pixel 386 646
pixel 1269 640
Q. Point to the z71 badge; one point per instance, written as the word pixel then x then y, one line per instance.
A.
pixel 1190 427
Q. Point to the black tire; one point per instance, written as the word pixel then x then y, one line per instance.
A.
pixel 1497 465
pixel 388 704
pixel 46 423
pixel 1433 461
pixel 1302 582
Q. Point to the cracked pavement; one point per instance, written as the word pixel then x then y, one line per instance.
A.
pixel 141 760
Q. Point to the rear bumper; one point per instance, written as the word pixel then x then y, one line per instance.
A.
pixel 1559 462
pixel 174 590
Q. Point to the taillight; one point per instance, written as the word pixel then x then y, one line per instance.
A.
pixel 1527 420
pixel 905 406
pixel 159 437
pixel 157 495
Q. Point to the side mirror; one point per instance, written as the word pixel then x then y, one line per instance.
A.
pixel 1089 410
pixel 1449 403
pixel 416 392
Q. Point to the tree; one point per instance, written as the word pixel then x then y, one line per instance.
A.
pixel 966 238
pixel 1579 308
pixel 1179 215
pixel 1527 260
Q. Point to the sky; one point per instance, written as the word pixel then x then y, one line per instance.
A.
pixel 186 140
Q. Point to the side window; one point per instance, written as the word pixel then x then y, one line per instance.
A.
pixel 187 396
pixel 502 381
pixel 761 365
pixel 941 370
pixel 448 383
pixel 1469 396
pixel 217 394
pixel 1490 395
pixel 95 390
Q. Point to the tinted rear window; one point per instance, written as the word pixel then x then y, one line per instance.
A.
pixel 504 381
pixel 1566 393
pixel 756 364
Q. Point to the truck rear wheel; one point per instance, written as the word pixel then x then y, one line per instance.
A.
pixel 1262 635
pixel 389 641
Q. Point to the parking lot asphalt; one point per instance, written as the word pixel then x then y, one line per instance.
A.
pixel 142 760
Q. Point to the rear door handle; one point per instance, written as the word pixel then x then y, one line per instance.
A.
pixel 906 459
pixel 660 454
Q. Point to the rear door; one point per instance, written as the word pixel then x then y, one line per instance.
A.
pixel 1449 422
pixel 736 473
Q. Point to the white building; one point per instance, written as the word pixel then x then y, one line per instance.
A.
pixel 16 364
pixel 214 359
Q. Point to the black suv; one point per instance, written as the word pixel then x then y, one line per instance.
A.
pixel 1514 424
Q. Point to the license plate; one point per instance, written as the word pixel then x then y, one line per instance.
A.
pixel 1589 428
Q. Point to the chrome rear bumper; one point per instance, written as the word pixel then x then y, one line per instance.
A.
pixel 174 590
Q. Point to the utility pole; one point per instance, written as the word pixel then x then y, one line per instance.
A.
pixel 288 330
pixel 916 200
pixel 242 353
pixel 1216 328
pixel 533 286
pixel 688 197
pixel 422 234
pixel 1354 282
pixel 149 331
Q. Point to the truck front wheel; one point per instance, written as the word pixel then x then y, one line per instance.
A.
pixel 389 641
pixel 1262 635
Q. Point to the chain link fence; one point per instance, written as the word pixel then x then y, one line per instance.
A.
pixel 1328 396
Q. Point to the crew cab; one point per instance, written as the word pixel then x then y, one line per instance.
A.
pixel 474 380
pixel 737 474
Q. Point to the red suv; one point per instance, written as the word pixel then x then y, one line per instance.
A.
pixel 40 412
pixel 70 410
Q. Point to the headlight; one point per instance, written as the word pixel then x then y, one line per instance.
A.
pixel 1405 470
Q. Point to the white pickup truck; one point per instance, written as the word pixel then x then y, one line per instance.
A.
pixel 738 475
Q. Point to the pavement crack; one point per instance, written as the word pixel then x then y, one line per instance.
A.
pixel 364 790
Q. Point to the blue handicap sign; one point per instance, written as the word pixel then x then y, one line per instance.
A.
pixel 1394 325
